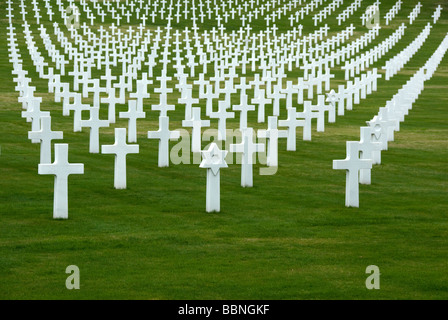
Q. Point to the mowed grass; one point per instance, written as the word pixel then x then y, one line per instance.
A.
pixel 288 237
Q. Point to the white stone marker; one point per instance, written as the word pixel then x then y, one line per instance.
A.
pixel 61 169
pixel 367 148
pixel 132 115
pixel 247 147
pixel 380 130
pixel 222 115
pixel 164 135
pixel 272 134
pixel 352 164
pixel 213 161
pixel 77 108
pixel 112 100
pixel 262 101
pixel 45 135
pixel 196 123
pixel 94 123
pixel 121 149
pixel 332 98
pixel 292 123
pixel 33 115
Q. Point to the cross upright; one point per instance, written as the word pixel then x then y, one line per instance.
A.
pixel 163 105
pixel 45 135
pixel 268 79
pixel 202 83
pixel 132 115
pixel 272 134
pixel 187 99
pixel 248 148
pixel 348 95
pixel 321 99
pixel 368 148
pixel 112 100
pixel 289 91
pixel 228 90
pixel 308 115
pixel 243 86
pixel 276 96
pixel 61 169
pixel 164 135
pixel 120 149
pixel 244 107
pixel 256 83
pixel 262 101
pixel 209 95
pixel 352 164
pixel 141 93
pixel 34 114
pixel 196 123
pixel 319 109
pixel 222 115
pixel 94 123
pixel 96 89
pixel 77 107
pixel 108 77
pixel 292 123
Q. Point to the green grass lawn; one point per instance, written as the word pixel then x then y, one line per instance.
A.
pixel 288 237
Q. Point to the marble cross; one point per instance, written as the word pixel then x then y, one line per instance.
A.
pixel 196 123
pixel 61 169
pixel 222 115
pixel 120 149
pixel 132 115
pixel 94 123
pixel 33 115
pixel 367 147
pixel 292 123
pixel 164 135
pixel 272 134
pixel 45 135
pixel 352 164
pixel 248 148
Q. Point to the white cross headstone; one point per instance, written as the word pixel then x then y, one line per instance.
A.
pixel 77 107
pixel 132 115
pixel 196 123
pixel 164 135
pixel 34 114
pixel 61 169
pixel 247 147
pixel 367 148
pixel 262 101
pixel 222 115
pixel 45 135
pixel 292 123
pixel 121 149
pixel 352 164
pixel 112 100
pixel 308 115
pixel 272 134
pixel 94 123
